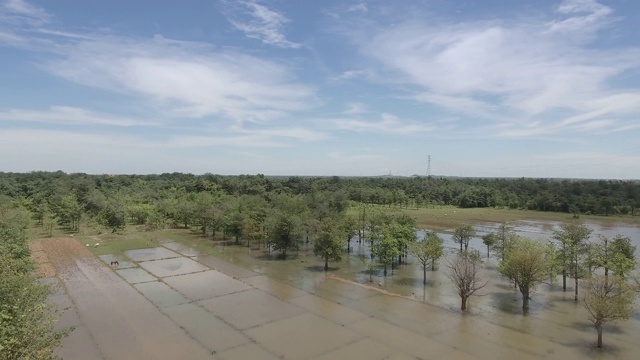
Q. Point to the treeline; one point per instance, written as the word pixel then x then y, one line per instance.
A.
pixel 601 197
pixel 26 319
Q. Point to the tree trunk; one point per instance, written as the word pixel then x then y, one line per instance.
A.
pixel 599 328
pixel 463 305
pixel 460 246
pixel 326 263
pixel 487 251
pixel 564 280
pixel 575 298
pixel 385 269
pixel 433 264
pixel 525 298
pixel 424 274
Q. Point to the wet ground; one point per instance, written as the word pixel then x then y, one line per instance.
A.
pixel 171 303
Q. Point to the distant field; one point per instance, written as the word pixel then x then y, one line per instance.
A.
pixel 447 217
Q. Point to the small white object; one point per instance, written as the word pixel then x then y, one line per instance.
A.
pixel 96 245
pixel 87 245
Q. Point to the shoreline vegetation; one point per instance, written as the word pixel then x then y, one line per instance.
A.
pixel 279 216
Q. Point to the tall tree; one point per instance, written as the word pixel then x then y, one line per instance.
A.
pixel 384 247
pixel 617 254
pixel 430 249
pixel 285 233
pixel 504 236
pixel 465 273
pixel 528 263
pixel 608 299
pixel 462 235
pixel 348 228
pixel 328 245
pixel 27 320
pixel 489 241
pixel 572 238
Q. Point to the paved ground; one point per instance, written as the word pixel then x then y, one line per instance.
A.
pixel 169 303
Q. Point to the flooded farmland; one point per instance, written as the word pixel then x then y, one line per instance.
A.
pixel 170 302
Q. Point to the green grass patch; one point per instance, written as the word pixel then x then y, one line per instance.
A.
pixel 448 217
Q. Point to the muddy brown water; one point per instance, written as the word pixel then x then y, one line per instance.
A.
pixel 246 304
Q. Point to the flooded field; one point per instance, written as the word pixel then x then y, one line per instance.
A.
pixel 553 316
pixel 170 302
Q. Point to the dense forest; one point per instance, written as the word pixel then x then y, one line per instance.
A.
pixel 43 192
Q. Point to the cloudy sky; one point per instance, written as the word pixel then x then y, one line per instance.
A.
pixel 501 88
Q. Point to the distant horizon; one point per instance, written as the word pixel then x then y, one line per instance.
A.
pixel 313 176
pixel 491 89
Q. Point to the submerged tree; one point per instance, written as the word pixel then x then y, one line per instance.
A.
pixel 608 299
pixel 462 235
pixel 430 249
pixel 528 263
pixel 285 233
pixel 464 272
pixel 384 248
pixel 572 239
pixel 489 241
pixel 328 245
pixel 504 237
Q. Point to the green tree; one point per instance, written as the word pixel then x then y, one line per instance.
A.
pixel 572 239
pixel 608 299
pixel 528 263
pixel 349 228
pixel 462 235
pixel 465 273
pixel 384 247
pixel 617 254
pixel 328 245
pixel 489 241
pixel 285 233
pixel 113 215
pixel 430 249
pixel 27 320
pixel 69 212
pixel 504 237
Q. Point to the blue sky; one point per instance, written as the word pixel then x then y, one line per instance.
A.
pixel 499 88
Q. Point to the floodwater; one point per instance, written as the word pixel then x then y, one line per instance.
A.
pixel 247 304
pixel 554 322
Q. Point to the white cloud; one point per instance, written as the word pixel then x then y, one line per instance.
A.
pixel 356 108
pixel 388 124
pixel 65 115
pixel 19 12
pixel 259 22
pixel 350 74
pixel 359 7
pixel 510 72
pixel 594 18
pixel 187 79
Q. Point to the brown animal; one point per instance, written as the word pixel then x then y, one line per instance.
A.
pixel 115 263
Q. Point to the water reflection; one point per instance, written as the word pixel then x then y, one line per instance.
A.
pixel 553 314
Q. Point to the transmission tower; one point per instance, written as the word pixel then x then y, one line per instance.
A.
pixel 428 165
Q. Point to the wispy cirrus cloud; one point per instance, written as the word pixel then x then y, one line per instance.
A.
pixel 66 115
pixel 185 78
pixel 530 72
pixel 176 80
pixel 259 22
pixel 19 12
pixel 388 124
